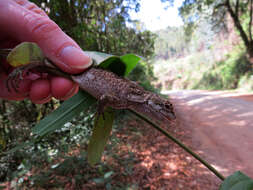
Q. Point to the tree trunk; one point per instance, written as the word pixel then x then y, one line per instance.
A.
pixel 250 53
pixel 238 25
pixel 246 40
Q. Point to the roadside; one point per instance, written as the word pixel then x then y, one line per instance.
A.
pixel 160 163
pixel 220 127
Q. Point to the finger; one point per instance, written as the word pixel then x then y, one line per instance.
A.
pixel 31 6
pixel 63 88
pixel 56 45
pixel 70 95
pixel 40 91
pixel 29 26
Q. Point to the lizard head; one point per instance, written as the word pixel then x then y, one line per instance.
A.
pixel 164 107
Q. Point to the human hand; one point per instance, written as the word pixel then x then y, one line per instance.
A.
pixel 21 20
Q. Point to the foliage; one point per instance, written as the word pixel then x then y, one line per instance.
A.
pixel 241 13
pixel 101 25
pixel 175 42
pixel 143 74
pixel 212 61
pixel 226 74
pixel 60 159
pixel 171 42
pixel 97 26
pixel 101 133
pixel 24 53
pixel 246 83
pixel 238 180
pixel 182 73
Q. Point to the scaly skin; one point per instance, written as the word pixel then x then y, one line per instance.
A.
pixel 119 93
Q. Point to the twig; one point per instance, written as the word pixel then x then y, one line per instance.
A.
pixel 179 143
pixel 250 21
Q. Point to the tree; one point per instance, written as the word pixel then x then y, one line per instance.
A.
pixel 100 25
pixel 170 43
pixel 241 12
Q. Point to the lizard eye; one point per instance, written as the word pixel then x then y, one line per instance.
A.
pixel 168 106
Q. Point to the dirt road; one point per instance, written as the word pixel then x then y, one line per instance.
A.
pixel 220 126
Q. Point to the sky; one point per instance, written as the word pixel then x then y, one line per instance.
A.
pixel 155 17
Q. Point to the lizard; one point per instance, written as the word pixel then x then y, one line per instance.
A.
pixel 108 88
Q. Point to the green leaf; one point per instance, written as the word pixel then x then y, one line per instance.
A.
pixel 121 65
pixel 67 111
pixel 108 174
pixel 25 53
pixel 115 65
pixel 237 181
pixel 3 187
pixel 99 180
pixel 28 52
pixel 100 135
pixel 131 61
pixel 22 145
pixel 98 57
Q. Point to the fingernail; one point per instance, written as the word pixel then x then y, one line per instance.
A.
pixel 70 93
pixel 75 58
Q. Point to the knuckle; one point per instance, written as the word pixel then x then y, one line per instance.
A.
pixel 30 6
pixel 21 2
pixel 40 26
pixel 39 11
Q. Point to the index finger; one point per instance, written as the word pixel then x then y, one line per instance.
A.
pixel 28 25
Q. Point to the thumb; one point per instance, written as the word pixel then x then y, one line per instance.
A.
pixel 30 25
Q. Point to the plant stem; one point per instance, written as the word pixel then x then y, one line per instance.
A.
pixel 179 143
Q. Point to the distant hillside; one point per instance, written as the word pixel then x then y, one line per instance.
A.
pixel 171 42
pixel 206 60
pixel 178 42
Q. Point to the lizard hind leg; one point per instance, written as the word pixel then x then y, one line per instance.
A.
pixel 104 101
pixel 13 80
pixel 15 77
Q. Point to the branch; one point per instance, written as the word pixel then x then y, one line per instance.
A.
pixel 250 21
pixel 183 146
pixel 237 8
pixel 220 5
pixel 238 24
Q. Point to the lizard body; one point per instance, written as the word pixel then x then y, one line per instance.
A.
pixel 120 93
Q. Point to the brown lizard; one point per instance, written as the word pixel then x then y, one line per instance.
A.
pixel 110 90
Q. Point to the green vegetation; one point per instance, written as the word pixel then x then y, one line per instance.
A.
pixel 196 71
pixel 101 25
pixel 215 51
pixel 96 26
pixel 189 57
pixel 230 73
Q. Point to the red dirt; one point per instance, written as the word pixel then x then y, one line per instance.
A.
pixel 220 125
pixel 162 164
pixel 217 125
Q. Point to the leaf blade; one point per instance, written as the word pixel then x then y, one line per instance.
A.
pixel 121 65
pixel 100 136
pixel 131 61
pixel 69 109
pixel 25 53
pixel 237 180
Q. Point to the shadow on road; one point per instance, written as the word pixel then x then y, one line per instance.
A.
pixel 220 125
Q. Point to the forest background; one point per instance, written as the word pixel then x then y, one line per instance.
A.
pixel 211 51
